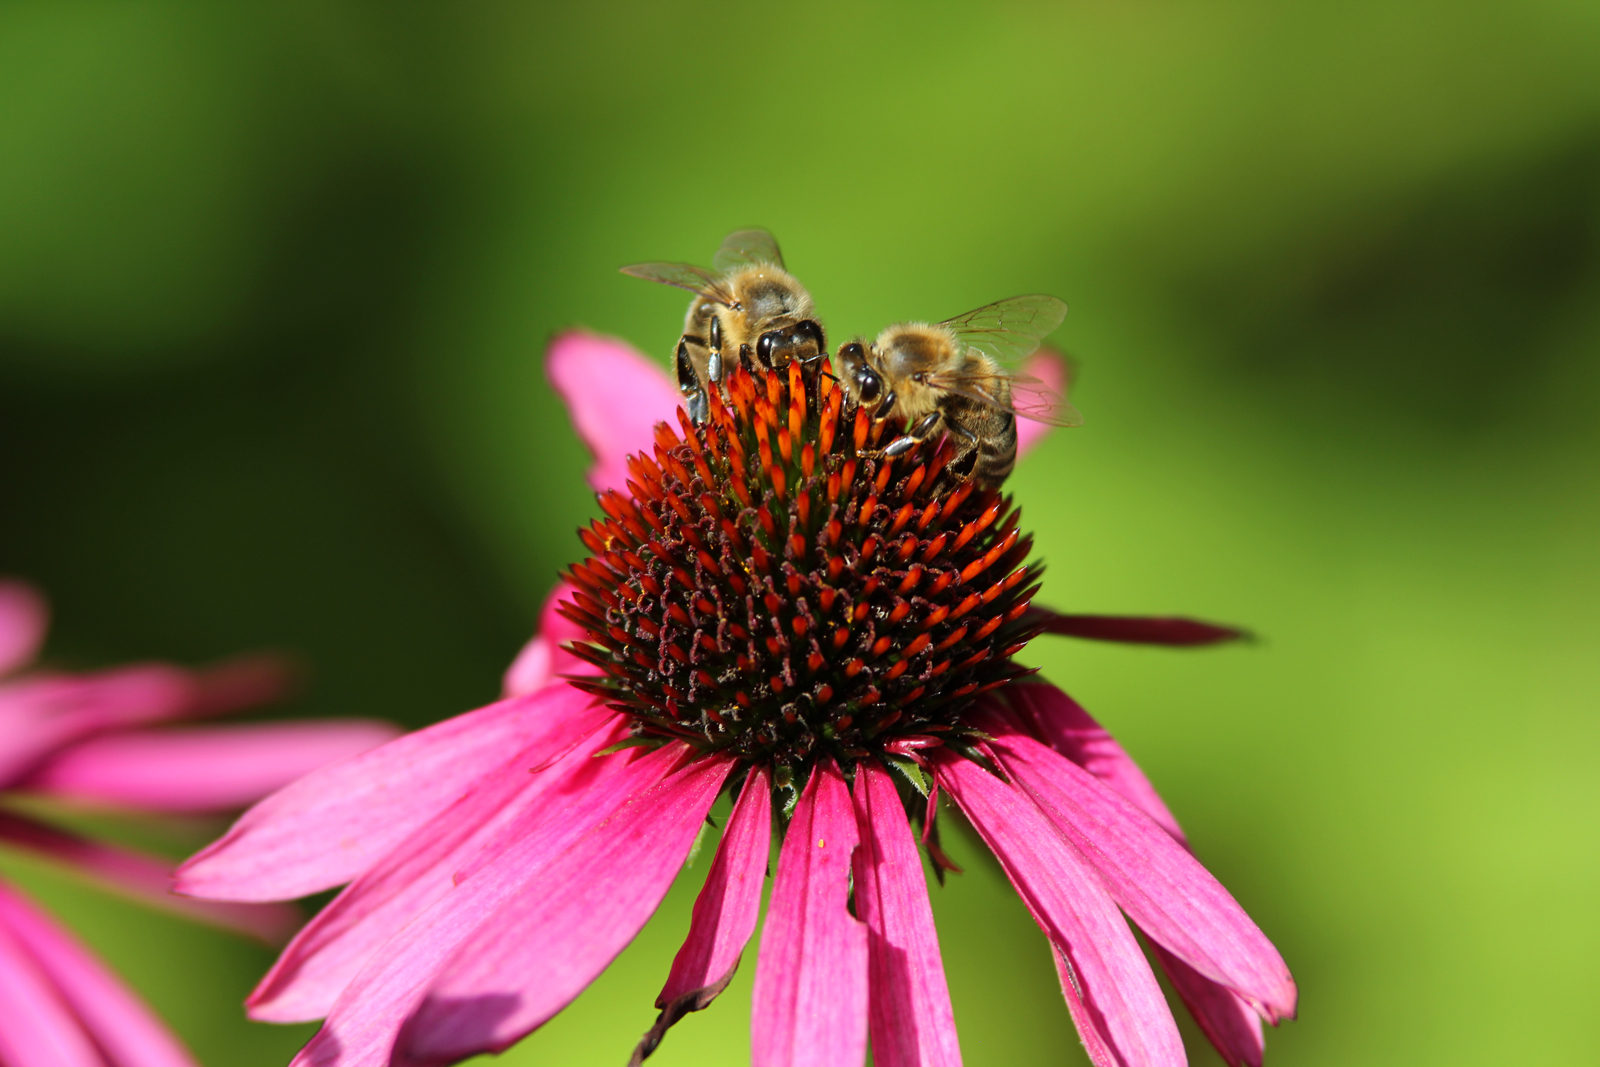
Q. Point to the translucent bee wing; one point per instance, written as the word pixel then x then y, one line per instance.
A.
pixel 981 388
pixel 1009 329
pixel 1033 399
pixel 1029 397
pixel 697 280
pixel 747 248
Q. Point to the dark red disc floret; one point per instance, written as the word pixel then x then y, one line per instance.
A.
pixel 773 587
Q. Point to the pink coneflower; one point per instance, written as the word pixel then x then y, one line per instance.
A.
pixel 768 611
pixel 95 739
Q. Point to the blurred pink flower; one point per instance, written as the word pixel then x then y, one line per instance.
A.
pixel 765 610
pixel 95 739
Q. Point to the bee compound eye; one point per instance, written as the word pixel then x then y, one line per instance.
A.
pixel 868 385
pixel 811 330
pixel 764 347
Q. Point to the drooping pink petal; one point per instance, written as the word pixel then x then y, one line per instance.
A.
pixel 43 712
pixel 1230 1024
pixel 912 1022
pixel 336 822
pixel 616 396
pixel 1086 1018
pixel 1115 1001
pixel 810 1000
pixel 40 713
pixel 1171 630
pixel 1060 722
pixel 540 950
pixel 1152 877
pixel 325 957
pixel 362 1028
pixel 542 659
pixel 201 768
pixel 128 1032
pixel 24 618
pixel 1051 369
pixel 726 910
pixel 725 913
pixel 143 878
pixel 38 1029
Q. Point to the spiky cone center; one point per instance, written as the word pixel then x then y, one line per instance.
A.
pixel 772 587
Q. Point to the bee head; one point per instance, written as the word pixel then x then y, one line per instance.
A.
pixel 802 340
pixel 859 378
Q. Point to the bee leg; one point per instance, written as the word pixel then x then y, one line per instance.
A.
pixel 914 435
pixel 964 458
pixel 900 446
pixel 811 366
pixel 688 380
pixel 694 396
pixel 714 363
pixel 810 371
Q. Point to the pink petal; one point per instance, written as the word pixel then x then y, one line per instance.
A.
pixel 364 1023
pixel 616 397
pixel 542 659
pixel 334 823
pixel 1061 723
pixel 199 769
pixel 1231 1025
pixel 143 878
pixel 1051 369
pixel 1154 879
pixel 326 956
pixel 593 901
pixel 725 913
pixel 43 712
pixel 1058 720
pixel 1171 630
pixel 122 1026
pixel 40 713
pixel 1115 1001
pixel 38 1029
pixel 912 1022
pixel 24 618
pixel 810 1001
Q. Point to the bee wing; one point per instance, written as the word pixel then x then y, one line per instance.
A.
pixel 746 248
pixel 1030 398
pixel 1009 329
pixel 697 280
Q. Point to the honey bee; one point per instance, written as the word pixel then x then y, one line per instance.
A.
pixel 747 306
pixel 949 376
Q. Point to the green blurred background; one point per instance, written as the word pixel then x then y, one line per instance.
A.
pixel 275 283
